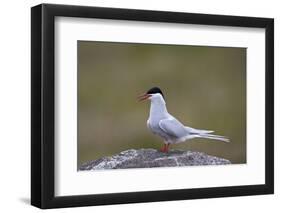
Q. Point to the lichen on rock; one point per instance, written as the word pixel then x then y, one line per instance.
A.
pixel 149 158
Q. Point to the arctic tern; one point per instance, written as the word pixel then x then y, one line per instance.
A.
pixel 163 124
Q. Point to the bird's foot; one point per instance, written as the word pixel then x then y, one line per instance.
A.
pixel 165 148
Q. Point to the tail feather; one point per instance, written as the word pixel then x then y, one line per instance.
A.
pixel 214 137
pixel 198 131
pixel 205 131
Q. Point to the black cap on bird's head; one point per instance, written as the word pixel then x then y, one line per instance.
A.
pixel 155 90
pixel 149 93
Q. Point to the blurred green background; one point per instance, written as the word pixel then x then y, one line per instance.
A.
pixel 204 87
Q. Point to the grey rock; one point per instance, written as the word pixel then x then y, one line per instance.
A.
pixel 148 158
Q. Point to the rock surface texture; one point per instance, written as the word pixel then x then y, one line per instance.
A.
pixel 147 158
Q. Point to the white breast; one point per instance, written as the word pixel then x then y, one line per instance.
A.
pixel 158 112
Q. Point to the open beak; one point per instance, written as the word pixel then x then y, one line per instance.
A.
pixel 143 97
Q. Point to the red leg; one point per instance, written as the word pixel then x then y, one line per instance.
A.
pixel 163 149
pixel 167 148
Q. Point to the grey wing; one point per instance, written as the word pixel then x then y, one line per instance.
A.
pixel 173 127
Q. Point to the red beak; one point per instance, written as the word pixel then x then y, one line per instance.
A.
pixel 143 97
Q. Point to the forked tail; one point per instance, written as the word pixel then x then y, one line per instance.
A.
pixel 214 137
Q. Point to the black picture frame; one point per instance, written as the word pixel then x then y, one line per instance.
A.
pixel 43 102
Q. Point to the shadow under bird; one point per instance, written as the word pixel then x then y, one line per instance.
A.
pixel 163 124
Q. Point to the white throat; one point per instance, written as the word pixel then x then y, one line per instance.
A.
pixel 158 107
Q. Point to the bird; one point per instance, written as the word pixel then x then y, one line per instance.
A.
pixel 171 130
